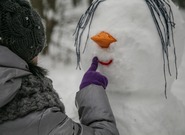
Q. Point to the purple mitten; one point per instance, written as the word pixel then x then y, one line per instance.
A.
pixel 93 77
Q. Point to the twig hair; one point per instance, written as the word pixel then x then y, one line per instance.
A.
pixel 85 21
pixel 164 20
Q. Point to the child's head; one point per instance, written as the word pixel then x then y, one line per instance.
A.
pixel 21 28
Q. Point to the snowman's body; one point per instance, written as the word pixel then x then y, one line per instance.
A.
pixel 136 74
pixel 138 114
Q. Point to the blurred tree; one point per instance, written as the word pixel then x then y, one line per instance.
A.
pixel 75 2
pixel 48 10
pixel 180 3
pixel 90 1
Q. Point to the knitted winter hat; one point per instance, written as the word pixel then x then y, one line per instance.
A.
pixel 21 29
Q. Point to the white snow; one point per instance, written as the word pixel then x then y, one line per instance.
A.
pixel 179 85
pixel 136 81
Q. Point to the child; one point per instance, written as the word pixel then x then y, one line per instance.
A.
pixel 29 105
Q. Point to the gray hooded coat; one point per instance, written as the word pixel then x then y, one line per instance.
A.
pixel 95 114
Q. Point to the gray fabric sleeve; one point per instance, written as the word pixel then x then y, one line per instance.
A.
pixel 95 115
pixel 50 120
pixel 95 112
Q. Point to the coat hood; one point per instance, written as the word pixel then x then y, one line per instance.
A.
pixel 12 68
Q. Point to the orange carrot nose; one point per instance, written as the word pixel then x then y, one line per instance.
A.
pixel 103 39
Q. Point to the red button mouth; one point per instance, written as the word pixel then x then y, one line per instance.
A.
pixel 106 63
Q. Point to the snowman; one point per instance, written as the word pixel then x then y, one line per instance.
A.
pixel 139 44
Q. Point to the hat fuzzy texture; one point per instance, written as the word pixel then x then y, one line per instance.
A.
pixel 21 28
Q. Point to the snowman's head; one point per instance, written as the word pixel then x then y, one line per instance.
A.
pixel 134 46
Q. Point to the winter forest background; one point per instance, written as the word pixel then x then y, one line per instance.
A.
pixel 60 18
